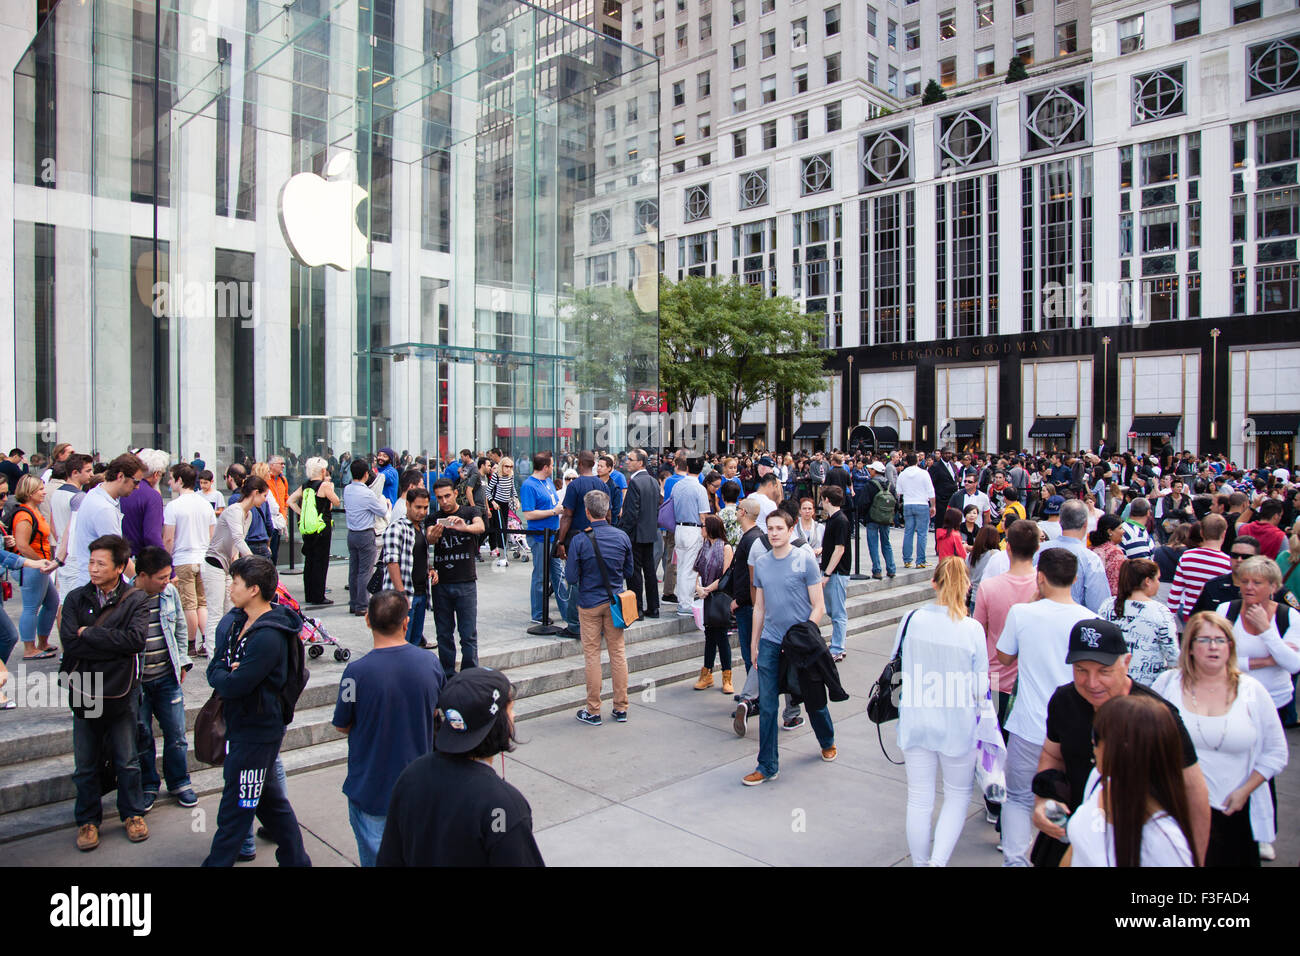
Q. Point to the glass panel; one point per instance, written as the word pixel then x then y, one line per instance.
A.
pixel 276 228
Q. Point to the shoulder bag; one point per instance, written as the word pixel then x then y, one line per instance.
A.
pixel 882 702
pixel 622 606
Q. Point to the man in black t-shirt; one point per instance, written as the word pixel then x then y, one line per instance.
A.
pixel 455 538
pixel 449 807
pixel 1100 658
pixel 835 566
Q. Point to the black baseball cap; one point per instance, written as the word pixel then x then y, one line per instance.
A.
pixel 1096 640
pixel 470 703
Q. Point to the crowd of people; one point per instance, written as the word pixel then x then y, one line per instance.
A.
pixel 1141 607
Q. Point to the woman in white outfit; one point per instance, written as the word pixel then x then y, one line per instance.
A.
pixel 1135 810
pixel 1270 654
pixel 1239 740
pixel 945 676
pixel 1148 625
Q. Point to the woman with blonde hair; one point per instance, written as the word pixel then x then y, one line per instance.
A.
pixel 316 545
pixel 945 677
pixel 1239 739
pixel 34 540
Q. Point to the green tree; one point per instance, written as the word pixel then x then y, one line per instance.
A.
pixel 1016 70
pixel 718 336
pixel 933 94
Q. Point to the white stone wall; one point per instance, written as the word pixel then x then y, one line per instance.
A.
pixel 1166 384
pixel 1057 389
pixel 968 391
pixel 894 388
pixel 1261 380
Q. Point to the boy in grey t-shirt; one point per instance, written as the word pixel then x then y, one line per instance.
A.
pixel 788 590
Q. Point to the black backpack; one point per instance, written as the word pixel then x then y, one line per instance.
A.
pixel 1282 617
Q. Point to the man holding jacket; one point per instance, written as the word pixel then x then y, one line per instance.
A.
pixel 640 520
pixel 105 627
pixel 248 670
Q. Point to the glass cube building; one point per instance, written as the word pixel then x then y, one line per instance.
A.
pixel 246 227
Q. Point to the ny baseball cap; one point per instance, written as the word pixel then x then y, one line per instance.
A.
pixel 1096 640
pixel 470 703
pixel 767 462
pixel 1053 505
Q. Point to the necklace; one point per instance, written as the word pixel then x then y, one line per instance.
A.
pixel 1200 730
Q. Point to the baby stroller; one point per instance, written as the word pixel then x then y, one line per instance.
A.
pixel 516 540
pixel 313 633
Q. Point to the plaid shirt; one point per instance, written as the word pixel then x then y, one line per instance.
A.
pixel 399 547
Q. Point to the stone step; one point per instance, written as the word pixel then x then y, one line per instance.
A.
pixel 35 796
pixel 548 673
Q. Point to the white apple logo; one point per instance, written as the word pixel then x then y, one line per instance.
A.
pixel 318 217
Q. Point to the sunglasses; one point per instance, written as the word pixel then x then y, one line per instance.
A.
pixel 1239 555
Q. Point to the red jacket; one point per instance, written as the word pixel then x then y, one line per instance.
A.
pixel 949 544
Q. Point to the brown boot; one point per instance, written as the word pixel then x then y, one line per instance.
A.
pixel 726 682
pixel 706 679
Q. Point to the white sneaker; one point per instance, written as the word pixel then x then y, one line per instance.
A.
pixel 1266 852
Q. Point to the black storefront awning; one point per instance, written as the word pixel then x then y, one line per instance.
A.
pixel 873 436
pixel 1276 423
pixel 751 431
pixel 1052 428
pixel 1154 426
pixel 969 427
pixel 812 430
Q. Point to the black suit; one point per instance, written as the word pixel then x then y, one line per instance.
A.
pixel 944 484
pixel 640 519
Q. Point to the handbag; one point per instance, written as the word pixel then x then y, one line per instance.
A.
pixel 210 732
pixel 622 606
pixel 882 702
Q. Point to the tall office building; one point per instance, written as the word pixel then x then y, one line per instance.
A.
pixel 1102 252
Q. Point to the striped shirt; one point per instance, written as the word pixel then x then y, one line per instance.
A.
pixel 1195 567
pixel 1136 542
pixel 502 488
pixel 157 658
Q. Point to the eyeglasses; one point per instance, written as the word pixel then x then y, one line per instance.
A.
pixel 1211 641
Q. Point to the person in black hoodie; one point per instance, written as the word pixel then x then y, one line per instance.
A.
pixel 248 669
pixel 104 627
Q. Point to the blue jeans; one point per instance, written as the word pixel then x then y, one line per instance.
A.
pixel 537 545
pixel 249 846
pixel 769 659
pixel 40 604
pixel 8 635
pixel 164 700
pixel 745 634
pixel 916 526
pixel 455 608
pixel 369 831
pixel 836 591
pixel 415 626
pixel 878 540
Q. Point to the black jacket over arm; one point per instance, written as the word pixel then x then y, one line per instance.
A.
pixel 806 671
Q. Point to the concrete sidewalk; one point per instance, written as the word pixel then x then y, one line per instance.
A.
pixel 661 790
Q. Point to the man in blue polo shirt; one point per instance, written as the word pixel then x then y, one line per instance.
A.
pixel 540 503
pixel 574 521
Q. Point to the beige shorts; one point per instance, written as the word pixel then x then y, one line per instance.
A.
pixel 189 582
